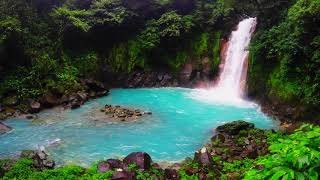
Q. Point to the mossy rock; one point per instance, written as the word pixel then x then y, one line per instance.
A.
pixel 235 127
pixel 11 101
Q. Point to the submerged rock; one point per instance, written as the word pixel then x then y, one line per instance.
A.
pixel 234 127
pixel 4 128
pixel 141 159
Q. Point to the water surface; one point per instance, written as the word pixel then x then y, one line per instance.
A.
pixel 179 125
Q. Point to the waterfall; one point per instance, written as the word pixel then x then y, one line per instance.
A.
pixel 236 55
pixel 230 86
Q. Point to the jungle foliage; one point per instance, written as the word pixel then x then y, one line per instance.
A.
pixel 285 59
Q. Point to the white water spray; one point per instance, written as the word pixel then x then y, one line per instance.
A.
pixel 230 86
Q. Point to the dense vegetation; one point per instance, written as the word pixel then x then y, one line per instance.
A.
pixel 48 46
pixel 295 156
pixel 285 57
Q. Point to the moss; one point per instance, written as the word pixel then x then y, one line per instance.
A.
pixel 282 87
pixel 216 51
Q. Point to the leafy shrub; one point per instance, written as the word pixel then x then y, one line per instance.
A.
pixel 296 156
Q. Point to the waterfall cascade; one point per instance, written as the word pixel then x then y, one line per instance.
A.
pixel 230 86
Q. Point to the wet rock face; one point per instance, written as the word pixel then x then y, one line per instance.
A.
pixel 235 127
pixel 151 79
pixel 123 114
pixel 4 128
pixel 141 159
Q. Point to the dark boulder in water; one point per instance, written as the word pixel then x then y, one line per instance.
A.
pixel 234 127
pixel 141 159
pixel 4 128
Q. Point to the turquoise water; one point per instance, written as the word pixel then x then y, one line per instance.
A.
pixel 178 126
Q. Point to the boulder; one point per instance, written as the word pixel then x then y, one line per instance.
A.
pixel 4 128
pixel 122 175
pixel 171 174
pixel 115 163
pixel 75 101
pixel 141 159
pixel 103 167
pixel 82 95
pixel 2 109
pixel 35 107
pixel 49 100
pixel 93 85
pixel 40 159
pixel 234 127
pixel 203 157
pixel 2 172
pixel 108 165
pixel 10 101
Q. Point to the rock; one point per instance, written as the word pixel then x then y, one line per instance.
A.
pixel 27 154
pixel 186 72
pixel 122 175
pixel 10 101
pixel 141 159
pixel 108 165
pixel 93 85
pixel 75 101
pixel 4 128
pixel 171 174
pixel 234 127
pixel 40 159
pixel 29 116
pixel 2 109
pixel 104 167
pixel 82 96
pixel 203 157
pixel 5 166
pixel 49 100
pixel 2 172
pixel 35 107
pixel 115 163
pixel 202 176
